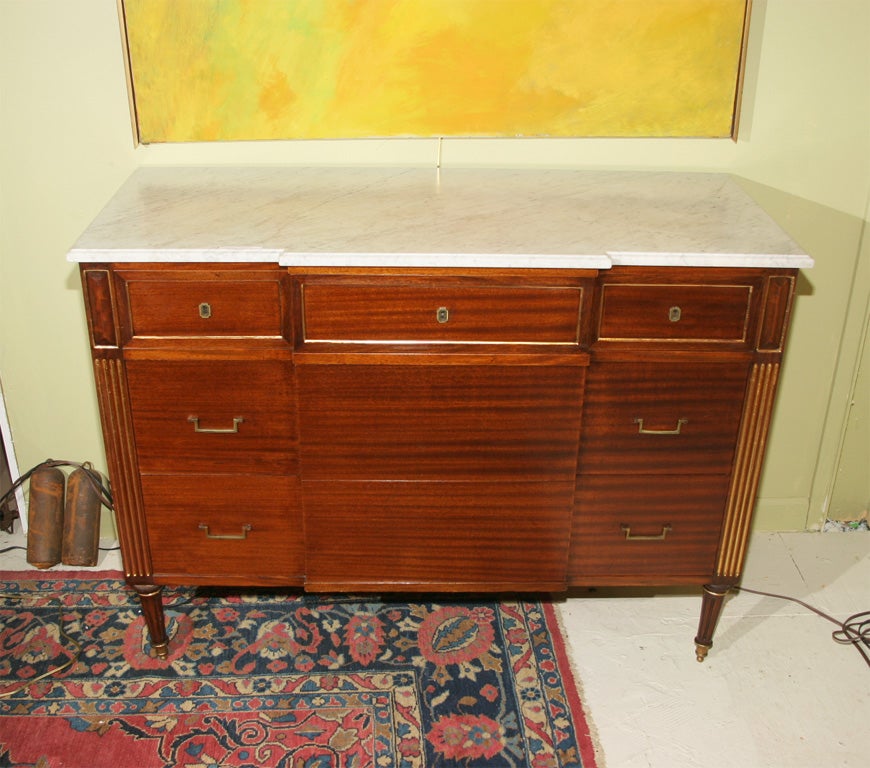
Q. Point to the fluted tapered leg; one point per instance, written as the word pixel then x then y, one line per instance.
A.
pixel 151 598
pixel 711 607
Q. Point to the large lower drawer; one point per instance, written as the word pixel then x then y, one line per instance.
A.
pixel 447 422
pixel 646 529
pixel 225 528
pixel 661 417
pixel 213 416
pixel 454 536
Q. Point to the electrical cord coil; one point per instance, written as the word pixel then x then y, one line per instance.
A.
pixel 76 651
pixel 854 630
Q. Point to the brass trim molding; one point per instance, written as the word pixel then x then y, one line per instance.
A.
pixel 747 468
pixel 123 470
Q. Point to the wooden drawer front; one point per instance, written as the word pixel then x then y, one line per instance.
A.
pixel 385 422
pixel 661 417
pixel 675 313
pixel 248 405
pixel 254 526
pixel 174 307
pixel 441 313
pixel 674 523
pixel 446 536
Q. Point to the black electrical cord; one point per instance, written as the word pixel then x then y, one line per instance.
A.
pixel 75 651
pixel 93 476
pixel 854 630
pixel 102 549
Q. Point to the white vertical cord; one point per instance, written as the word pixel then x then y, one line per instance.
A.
pixel 6 430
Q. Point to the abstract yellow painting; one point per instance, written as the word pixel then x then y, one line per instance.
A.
pixel 212 70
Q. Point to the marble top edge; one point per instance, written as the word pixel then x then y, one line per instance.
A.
pixel 445 260
pixel 168 255
pixel 661 259
pixel 344 259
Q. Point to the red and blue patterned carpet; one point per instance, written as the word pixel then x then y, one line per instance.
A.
pixel 271 679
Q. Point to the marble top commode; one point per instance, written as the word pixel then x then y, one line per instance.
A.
pixel 609 423
pixel 365 217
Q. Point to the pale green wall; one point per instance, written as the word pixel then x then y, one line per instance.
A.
pixel 65 146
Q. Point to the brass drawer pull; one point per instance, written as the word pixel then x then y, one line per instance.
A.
pixel 442 314
pixel 626 529
pixel 231 430
pixel 231 536
pixel 642 431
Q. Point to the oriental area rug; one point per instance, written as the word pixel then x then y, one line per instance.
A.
pixel 259 678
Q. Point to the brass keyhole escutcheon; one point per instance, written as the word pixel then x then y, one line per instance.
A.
pixel 205 310
pixel 442 314
pixel 674 314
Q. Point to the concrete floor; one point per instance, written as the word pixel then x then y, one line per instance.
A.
pixel 775 692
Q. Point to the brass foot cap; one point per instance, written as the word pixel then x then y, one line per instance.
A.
pixel 701 651
pixel 161 651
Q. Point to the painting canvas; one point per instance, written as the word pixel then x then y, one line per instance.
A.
pixel 210 70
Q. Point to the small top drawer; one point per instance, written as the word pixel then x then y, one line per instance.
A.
pixel 675 313
pixel 189 305
pixel 447 313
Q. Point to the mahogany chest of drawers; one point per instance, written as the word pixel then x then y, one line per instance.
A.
pixel 398 409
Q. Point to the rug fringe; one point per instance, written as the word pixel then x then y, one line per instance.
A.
pixel 576 686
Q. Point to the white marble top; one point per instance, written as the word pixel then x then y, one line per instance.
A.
pixel 436 218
